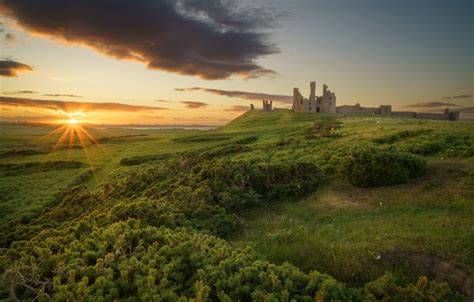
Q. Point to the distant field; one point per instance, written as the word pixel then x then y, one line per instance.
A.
pixel 354 234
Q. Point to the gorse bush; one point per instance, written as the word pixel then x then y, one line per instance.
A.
pixel 372 167
pixel 208 194
pixel 392 138
pixel 135 262
pixel 8 169
pixel 459 144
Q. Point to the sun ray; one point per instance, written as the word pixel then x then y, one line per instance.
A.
pixel 71 132
pixel 61 128
pixel 60 142
pixel 91 138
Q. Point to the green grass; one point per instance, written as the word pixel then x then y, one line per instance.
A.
pixel 339 229
pixel 345 231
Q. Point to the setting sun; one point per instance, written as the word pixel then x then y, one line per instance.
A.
pixel 73 121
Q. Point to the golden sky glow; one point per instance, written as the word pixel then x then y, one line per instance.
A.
pixel 386 59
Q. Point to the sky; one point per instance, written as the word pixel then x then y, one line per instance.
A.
pixel 205 61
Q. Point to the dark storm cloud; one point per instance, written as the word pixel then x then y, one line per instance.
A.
pixel 212 39
pixel 73 106
pixel 242 94
pixel 62 95
pixel 194 105
pixel 432 105
pixel 9 68
pixel 237 108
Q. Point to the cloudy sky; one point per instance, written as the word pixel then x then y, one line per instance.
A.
pixel 206 61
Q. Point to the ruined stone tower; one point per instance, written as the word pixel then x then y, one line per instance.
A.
pixel 325 103
pixel 312 94
pixel 267 106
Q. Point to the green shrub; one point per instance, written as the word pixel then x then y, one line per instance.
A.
pixel 225 150
pixel 448 144
pixel 392 138
pixel 135 262
pixel 138 160
pixel 371 167
pixel 11 169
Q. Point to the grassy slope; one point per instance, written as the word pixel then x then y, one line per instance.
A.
pixel 341 230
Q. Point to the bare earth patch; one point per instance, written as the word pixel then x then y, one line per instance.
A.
pixel 435 268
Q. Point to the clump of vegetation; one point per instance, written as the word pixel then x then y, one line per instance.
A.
pixel 324 128
pixel 22 152
pixel 119 138
pixel 392 138
pixel 225 150
pixel 8 169
pixel 138 160
pixel 205 138
pixel 372 167
pixel 459 144
pixel 131 260
pixel 247 140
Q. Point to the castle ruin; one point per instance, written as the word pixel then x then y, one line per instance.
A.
pixel 267 106
pixel 386 110
pixel 325 103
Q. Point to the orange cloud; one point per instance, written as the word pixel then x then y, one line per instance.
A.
pixel 69 106
pixel 287 99
pixel 194 105
pixel 237 108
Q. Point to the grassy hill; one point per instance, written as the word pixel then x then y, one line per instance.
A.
pixel 277 182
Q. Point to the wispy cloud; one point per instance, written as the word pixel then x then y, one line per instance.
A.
pixel 20 92
pixel 37 92
pixel 28 118
pixel 462 96
pixel 432 105
pixel 70 106
pixel 211 39
pixel 237 108
pixel 62 95
pixel 194 105
pixel 287 99
pixel 9 68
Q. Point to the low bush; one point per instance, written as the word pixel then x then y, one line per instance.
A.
pixel 202 138
pixel 131 261
pixel 324 129
pixel 450 144
pixel 225 150
pixel 8 169
pixel 247 140
pixel 372 167
pixel 22 152
pixel 138 160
